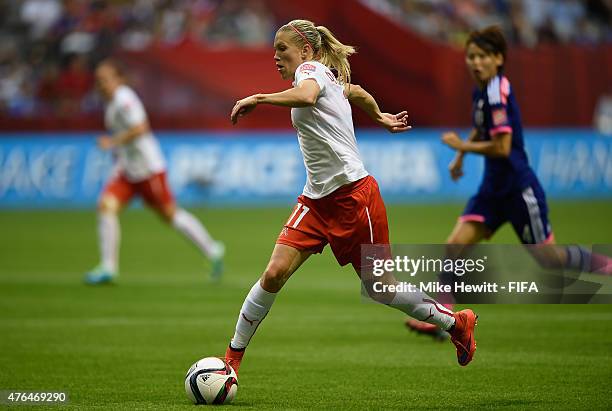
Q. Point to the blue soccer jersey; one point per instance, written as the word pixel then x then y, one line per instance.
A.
pixel 495 111
pixel 510 191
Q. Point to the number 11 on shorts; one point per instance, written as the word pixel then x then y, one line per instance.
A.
pixel 299 218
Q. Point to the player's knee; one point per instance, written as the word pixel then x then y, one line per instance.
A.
pixel 275 276
pixel 108 204
pixel 167 213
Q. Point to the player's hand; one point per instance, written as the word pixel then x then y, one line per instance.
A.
pixel 106 142
pixel 452 140
pixel 456 168
pixel 395 123
pixel 243 107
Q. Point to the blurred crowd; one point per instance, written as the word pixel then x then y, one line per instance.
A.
pixel 50 46
pixel 526 22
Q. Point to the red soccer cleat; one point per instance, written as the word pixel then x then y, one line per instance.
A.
pixel 233 357
pixel 462 335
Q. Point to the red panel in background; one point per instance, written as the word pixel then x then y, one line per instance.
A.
pixel 555 85
pixel 220 77
pixel 560 85
pixel 225 73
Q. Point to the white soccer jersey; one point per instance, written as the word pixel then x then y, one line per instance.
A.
pixel 142 157
pixel 326 135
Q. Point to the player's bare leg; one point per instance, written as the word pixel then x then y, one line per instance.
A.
pixel 465 233
pixel 570 257
pixel 285 260
pixel 109 236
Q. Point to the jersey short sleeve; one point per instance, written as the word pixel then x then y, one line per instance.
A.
pixel 498 92
pixel 312 70
pixel 131 109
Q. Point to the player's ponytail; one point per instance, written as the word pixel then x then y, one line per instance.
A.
pixel 335 55
pixel 326 47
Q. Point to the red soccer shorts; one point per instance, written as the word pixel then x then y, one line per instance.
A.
pixel 352 215
pixel 154 190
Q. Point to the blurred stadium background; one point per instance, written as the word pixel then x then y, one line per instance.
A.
pixel 190 61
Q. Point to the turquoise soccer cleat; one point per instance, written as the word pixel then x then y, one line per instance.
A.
pixel 217 263
pixel 99 275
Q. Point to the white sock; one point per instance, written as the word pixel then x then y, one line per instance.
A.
pixel 195 232
pixel 254 309
pixel 424 308
pixel 108 240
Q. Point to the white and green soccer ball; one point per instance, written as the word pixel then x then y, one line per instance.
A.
pixel 211 381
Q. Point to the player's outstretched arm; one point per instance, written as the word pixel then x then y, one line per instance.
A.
pixel 304 95
pixel 499 145
pixel 123 137
pixel 455 167
pixel 395 123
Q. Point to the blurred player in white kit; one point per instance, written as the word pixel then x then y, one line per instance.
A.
pixel 140 170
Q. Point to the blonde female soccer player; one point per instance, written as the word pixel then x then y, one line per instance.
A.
pixel 341 203
pixel 140 170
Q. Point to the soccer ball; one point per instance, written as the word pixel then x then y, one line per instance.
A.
pixel 211 381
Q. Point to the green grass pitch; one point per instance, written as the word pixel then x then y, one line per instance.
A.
pixel 128 346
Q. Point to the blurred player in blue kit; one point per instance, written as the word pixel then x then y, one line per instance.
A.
pixel 510 190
